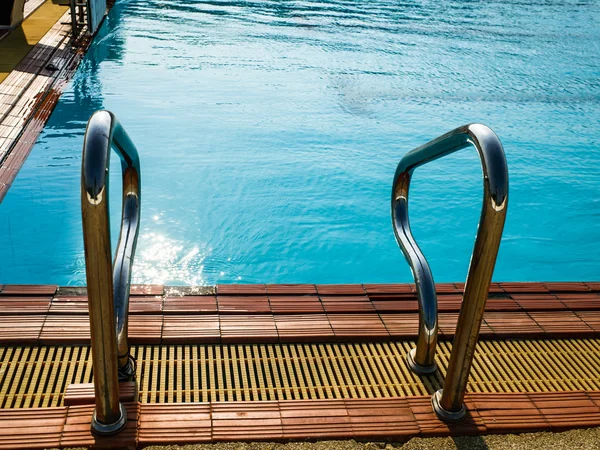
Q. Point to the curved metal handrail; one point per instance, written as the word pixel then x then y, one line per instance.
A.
pixel 448 402
pixel 108 283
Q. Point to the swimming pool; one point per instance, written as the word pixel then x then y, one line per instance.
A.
pixel 269 133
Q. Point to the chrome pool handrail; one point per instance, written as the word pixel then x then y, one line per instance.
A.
pixel 108 284
pixel 448 402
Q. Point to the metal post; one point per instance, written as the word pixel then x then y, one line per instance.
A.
pixel 448 403
pixel 108 287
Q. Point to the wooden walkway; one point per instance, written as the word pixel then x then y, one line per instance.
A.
pixel 198 350
pixel 29 93
pixel 397 419
pixel 238 314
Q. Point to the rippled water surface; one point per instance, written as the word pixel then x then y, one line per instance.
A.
pixel 269 133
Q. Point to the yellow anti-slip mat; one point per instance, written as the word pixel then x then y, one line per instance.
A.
pixel 20 41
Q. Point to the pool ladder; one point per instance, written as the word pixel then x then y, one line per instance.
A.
pixel 448 402
pixel 108 284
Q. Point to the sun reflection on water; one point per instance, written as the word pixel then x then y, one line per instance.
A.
pixel 163 260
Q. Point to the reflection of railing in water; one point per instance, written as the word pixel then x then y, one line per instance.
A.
pixel 448 402
pixel 108 284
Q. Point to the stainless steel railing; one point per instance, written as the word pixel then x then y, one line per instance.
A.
pixel 448 402
pixel 108 283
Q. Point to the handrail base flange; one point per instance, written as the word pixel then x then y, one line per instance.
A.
pixel 107 429
pixel 418 368
pixel 443 414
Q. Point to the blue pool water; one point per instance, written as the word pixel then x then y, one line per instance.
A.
pixel 269 133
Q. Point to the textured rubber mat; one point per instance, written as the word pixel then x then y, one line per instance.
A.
pixel 38 376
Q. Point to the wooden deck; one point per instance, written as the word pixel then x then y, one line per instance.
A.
pixel 329 359
pixel 42 63
pixel 237 314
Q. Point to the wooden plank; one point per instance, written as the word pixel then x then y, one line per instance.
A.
pixel 508 413
pixel 248 329
pixel 256 421
pixel 188 329
pixel 312 419
pixel 182 423
pixel 255 304
pixel 83 393
pixel 291 289
pixel 304 328
pixel 77 429
pixel 341 289
pixel 294 304
pixel 31 428
pixel 190 304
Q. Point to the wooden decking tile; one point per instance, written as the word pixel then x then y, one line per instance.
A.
pixel 567 410
pixel 145 328
pixel 83 393
pixel 502 304
pixel 305 419
pixel 249 328
pixel 401 325
pixel 24 329
pixel 594 286
pixel 69 305
pixel 580 300
pixel 508 413
pixel 340 289
pixel 539 302
pixel 26 289
pixel 449 302
pixel 591 318
pixel 190 304
pixel 507 324
pixel 430 426
pixel 291 289
pixel 295 304
pixel 168 424
pixel 447 326
pixel 595 397
pixel 31 428
pixel 235 421
pixel 347 304
pixel 145 304
pixel 77 430
pixel 147 289
pixel 567 324
pixel 377 417
pixel 447 323
pixel 242 289
pixel 524 287
pixel 198 329
pixel 567 287
pixel 447 288
pixel 303 328
pixel 357 325
pixel 389 288
pixel 398 305
pixel 495 288
pixel 24 305
pixel 65 330
pixel 254 304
